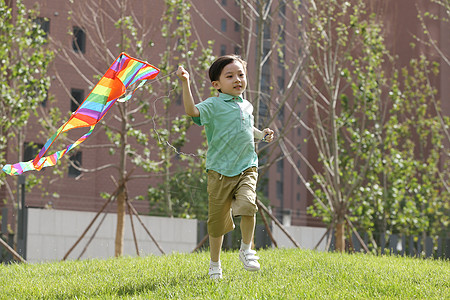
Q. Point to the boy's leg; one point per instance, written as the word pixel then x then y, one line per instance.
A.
pixel 215 245
pixel 215 270
pixel 246 254
pixel 245 206
pixel 220 220
pixel 247 228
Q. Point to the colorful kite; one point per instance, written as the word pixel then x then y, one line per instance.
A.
pixel 124 72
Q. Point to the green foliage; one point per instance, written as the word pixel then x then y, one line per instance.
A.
pixel 374 172
pixel 404 182
pixel 285 274
pixel 24 82
pixel 188 194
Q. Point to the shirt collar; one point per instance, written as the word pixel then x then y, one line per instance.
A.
pixel 228 98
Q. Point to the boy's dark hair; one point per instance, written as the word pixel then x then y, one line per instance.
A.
pixel 216 68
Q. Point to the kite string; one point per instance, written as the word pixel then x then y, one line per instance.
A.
pixel 160 139
pixel 155 130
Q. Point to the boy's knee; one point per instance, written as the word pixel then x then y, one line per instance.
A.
pixel 220 226
pixel 245 208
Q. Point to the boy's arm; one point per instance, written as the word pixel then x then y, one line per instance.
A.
pixel 266 134
pixel 188 100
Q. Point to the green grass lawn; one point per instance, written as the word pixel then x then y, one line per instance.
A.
pixel 285 274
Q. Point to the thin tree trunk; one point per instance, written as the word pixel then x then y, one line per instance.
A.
pixel 340 237
pixel 122 192
pixel 120 223
pixel 167 186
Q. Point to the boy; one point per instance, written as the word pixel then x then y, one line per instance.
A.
pixel 231 160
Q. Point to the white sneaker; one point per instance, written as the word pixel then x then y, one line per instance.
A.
pixel 215 272
pixel 249 259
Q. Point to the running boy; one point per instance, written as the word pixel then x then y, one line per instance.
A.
pixel 231 160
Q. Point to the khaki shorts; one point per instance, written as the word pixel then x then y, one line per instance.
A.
pixel 229 196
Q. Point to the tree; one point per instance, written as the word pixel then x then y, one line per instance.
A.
pixel 170 131
pixel 25 59
pixel 110 29
pixel 98 22
pixel 373 172
pixel 444 19
pixel 343 86
pixel 406 191
pixel 405 194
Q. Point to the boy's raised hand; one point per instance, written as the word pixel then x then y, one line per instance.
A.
pixel 268 135
pixel 182 74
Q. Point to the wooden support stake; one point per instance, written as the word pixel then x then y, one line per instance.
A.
pixel 323 236
pixel 266 224
pixel 351 247
pixel 12 251
pixel 358 236
pixel 90 224
pixel 201 242
pixel 330 238
pixel 260 204
pixel 93 236
pixel 148 232
pixel 130 212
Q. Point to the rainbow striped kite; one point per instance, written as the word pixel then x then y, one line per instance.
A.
pixel 124 72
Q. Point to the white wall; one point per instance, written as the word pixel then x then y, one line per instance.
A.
pixel 306 237
pixel 51 233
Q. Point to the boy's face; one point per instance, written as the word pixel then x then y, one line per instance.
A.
pixel 232 80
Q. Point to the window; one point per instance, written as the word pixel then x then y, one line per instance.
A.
pixel 76 99
pixel 282 34
pixel 237 27
pixel 280 190
pixel 31 150
pixel 267 35
pixel 280 166
pixel 223 25
pixel 263 111
pixel 75 159
pixel 44 102
pixel 265 82
pixel 281 114
pixel 280 81
pixel 237 50
pixel 79 40
pixel 223 50
pixel 224 2
pixel 44 23
pixel 282 9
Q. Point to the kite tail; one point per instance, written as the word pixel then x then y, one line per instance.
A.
pixel 48 161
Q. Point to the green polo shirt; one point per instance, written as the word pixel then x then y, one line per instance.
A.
pixel 228 122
